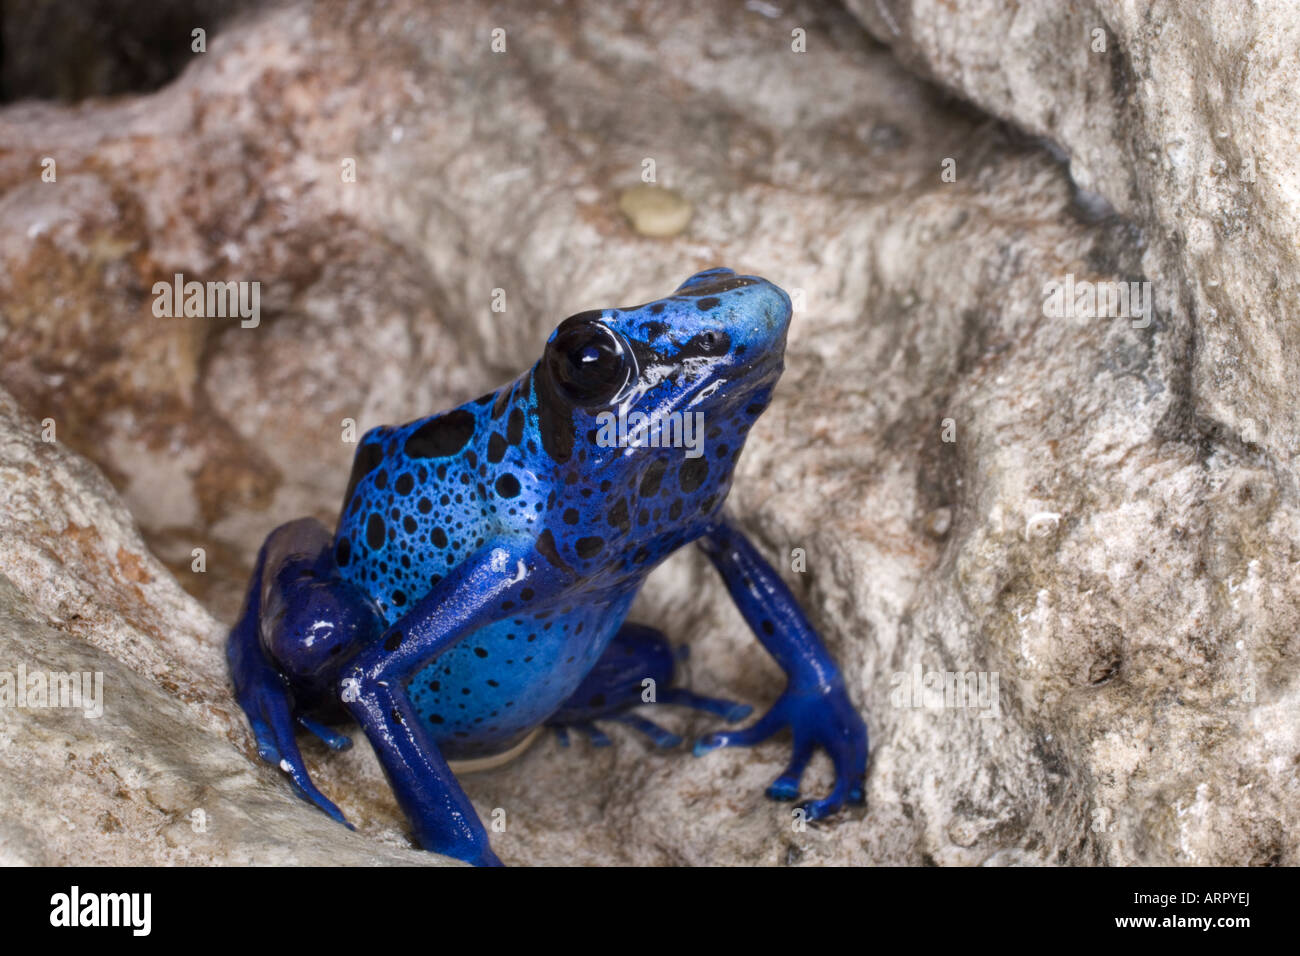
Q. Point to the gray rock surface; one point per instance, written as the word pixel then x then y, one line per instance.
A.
pixel 1180 116
pixel 156 773
pixel 1057 504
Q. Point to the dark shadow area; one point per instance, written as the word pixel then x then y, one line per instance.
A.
pixel 73 49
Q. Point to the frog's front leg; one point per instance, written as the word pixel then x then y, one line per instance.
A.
pixel 299 618
pixel 814 705
pixel 478 592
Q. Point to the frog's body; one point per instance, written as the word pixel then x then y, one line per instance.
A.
pixel 485 559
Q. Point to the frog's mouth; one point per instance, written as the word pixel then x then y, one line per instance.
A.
pixel 735 383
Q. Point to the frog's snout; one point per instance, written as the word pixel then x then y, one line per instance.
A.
pixel 777 309
pixel 762 318
pixel 760 310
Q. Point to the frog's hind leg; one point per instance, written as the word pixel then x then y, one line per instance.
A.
pixel 300 618
pixel 728 710
pixel 637 668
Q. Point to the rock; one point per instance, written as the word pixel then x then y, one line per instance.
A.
pixel 161 773
pixel 1039 511
pixel 1181 117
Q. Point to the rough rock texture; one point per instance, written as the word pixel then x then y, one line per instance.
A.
pixel 1053 503
pixel 1181 116
pixel 156 776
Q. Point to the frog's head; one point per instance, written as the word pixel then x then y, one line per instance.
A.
pixel 679 380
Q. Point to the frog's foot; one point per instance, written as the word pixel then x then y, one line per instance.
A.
pixel 264 695
pixel 637 668
pixel 661 738
pixel 815 706
pixel 308 615
pixel 816 718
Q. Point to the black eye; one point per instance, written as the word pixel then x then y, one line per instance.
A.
pixel 587 361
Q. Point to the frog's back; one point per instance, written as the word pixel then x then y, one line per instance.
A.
pixel 425 496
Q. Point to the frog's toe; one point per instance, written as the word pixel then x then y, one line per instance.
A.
pixel 660 736
pixel 333 739
pixel 786 786
pixel 279 746
pixel 561 736
pixel 820 809
pixel 303 786
pixel 736 712
pixel 767 725
pixel 783 788
pixel 594 734
pixel 850 779
pixel 266 748
pixel 729 710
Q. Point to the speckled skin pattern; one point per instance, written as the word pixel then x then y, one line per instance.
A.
pixel 485 559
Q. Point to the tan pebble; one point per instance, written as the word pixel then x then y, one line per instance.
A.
pixel 654 211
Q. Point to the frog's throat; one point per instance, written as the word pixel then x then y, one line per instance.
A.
pixel 474 764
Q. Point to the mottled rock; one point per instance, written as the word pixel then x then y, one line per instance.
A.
pixel 148 763
pixel 1181 117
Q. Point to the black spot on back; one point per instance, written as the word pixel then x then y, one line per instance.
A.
pixel 692 473
pixel 515 426
pixel 714 286
pixel 554 421
pixel 653 475
pixel 442 436
pixel 547 549
pixel 375 532
pixel 366 460
pixel 618 516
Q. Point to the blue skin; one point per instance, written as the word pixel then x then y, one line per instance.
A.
pixel 485 560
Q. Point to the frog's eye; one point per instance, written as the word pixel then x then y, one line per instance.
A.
pixel 587 361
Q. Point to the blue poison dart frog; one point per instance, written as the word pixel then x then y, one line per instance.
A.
pixel 485 559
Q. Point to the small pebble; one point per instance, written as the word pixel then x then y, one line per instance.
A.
pixel 938 522
pixel 654 211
